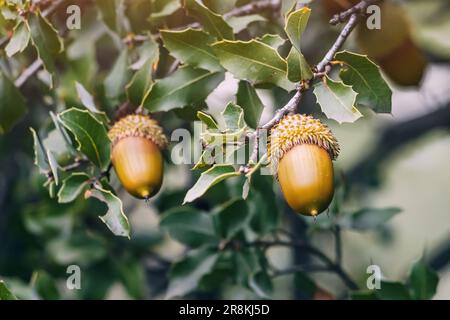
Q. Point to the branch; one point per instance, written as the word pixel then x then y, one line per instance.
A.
pixel 36 65
pixel 28 72
pixel 253 7
pixel 306 269
pixel 360 8
pixel 330 265
pixel 337 243
pixel 394 137
pixel 250 8
pixel 321 69
pixel 338 43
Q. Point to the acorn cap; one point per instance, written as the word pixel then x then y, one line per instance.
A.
pixel 297 129
pixel 137 125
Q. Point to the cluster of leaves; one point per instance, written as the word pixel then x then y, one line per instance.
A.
pixel 205 55
pixel 169 56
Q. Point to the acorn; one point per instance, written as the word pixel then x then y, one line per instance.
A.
pixel 136 142
pixel 393 46
pixel 332 7
pixel 301 151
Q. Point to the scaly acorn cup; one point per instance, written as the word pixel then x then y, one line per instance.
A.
pixel 301 151
pixel 137 141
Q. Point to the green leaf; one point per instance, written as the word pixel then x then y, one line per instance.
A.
pixel 132 273
pixel 423 281
pixel 45 285
pixel 192 47
pixel 186 274
pixel 364 295
pixel 392 291
pixel 189 226
pixel 72 187
pixel 365 77
pixel 295 25
pixel 298 68
pixel 262 201
pixel 19 41
pixel 305 285
pixel 254 61
pixel 337 100
pixel 261 284
pixel 273 40
pixel 234 117
pixel 137 13
pixel 213 23
pixel 240 23
pixel 220 6
pixel 208 120
pixel 5 293
pixel 90 134
pixel 246 263
pixel 163 8
pixel 81 248
pixel 186 86
pixel 118 77
pixel 40 155
pixel 115 219
pixel 108 12
pixel 86 98
pixel 231 218
pixel 12 106
pixel 248 99
pixel 369 218
pixel 208 179
pixel 140 84
pixel 45 39
pixel 149 51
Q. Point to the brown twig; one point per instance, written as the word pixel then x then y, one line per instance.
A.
pixel 36 64
pixel 321 69
pixel 28 72
pixel 357 9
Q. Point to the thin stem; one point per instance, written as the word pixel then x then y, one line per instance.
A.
pixel 357 9
pixel 75 165
pixel 28 72
pixel 338 43
pixel 305 268
pixel 338 244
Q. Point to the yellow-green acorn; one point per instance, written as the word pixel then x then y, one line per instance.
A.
pixel 301 151
pixel 137 141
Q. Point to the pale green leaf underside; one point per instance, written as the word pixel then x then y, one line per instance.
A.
pixel 208 179
pixel 115 219
pixel 365 77
pixel 298 67
pixel 295 25
pixel 337 100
